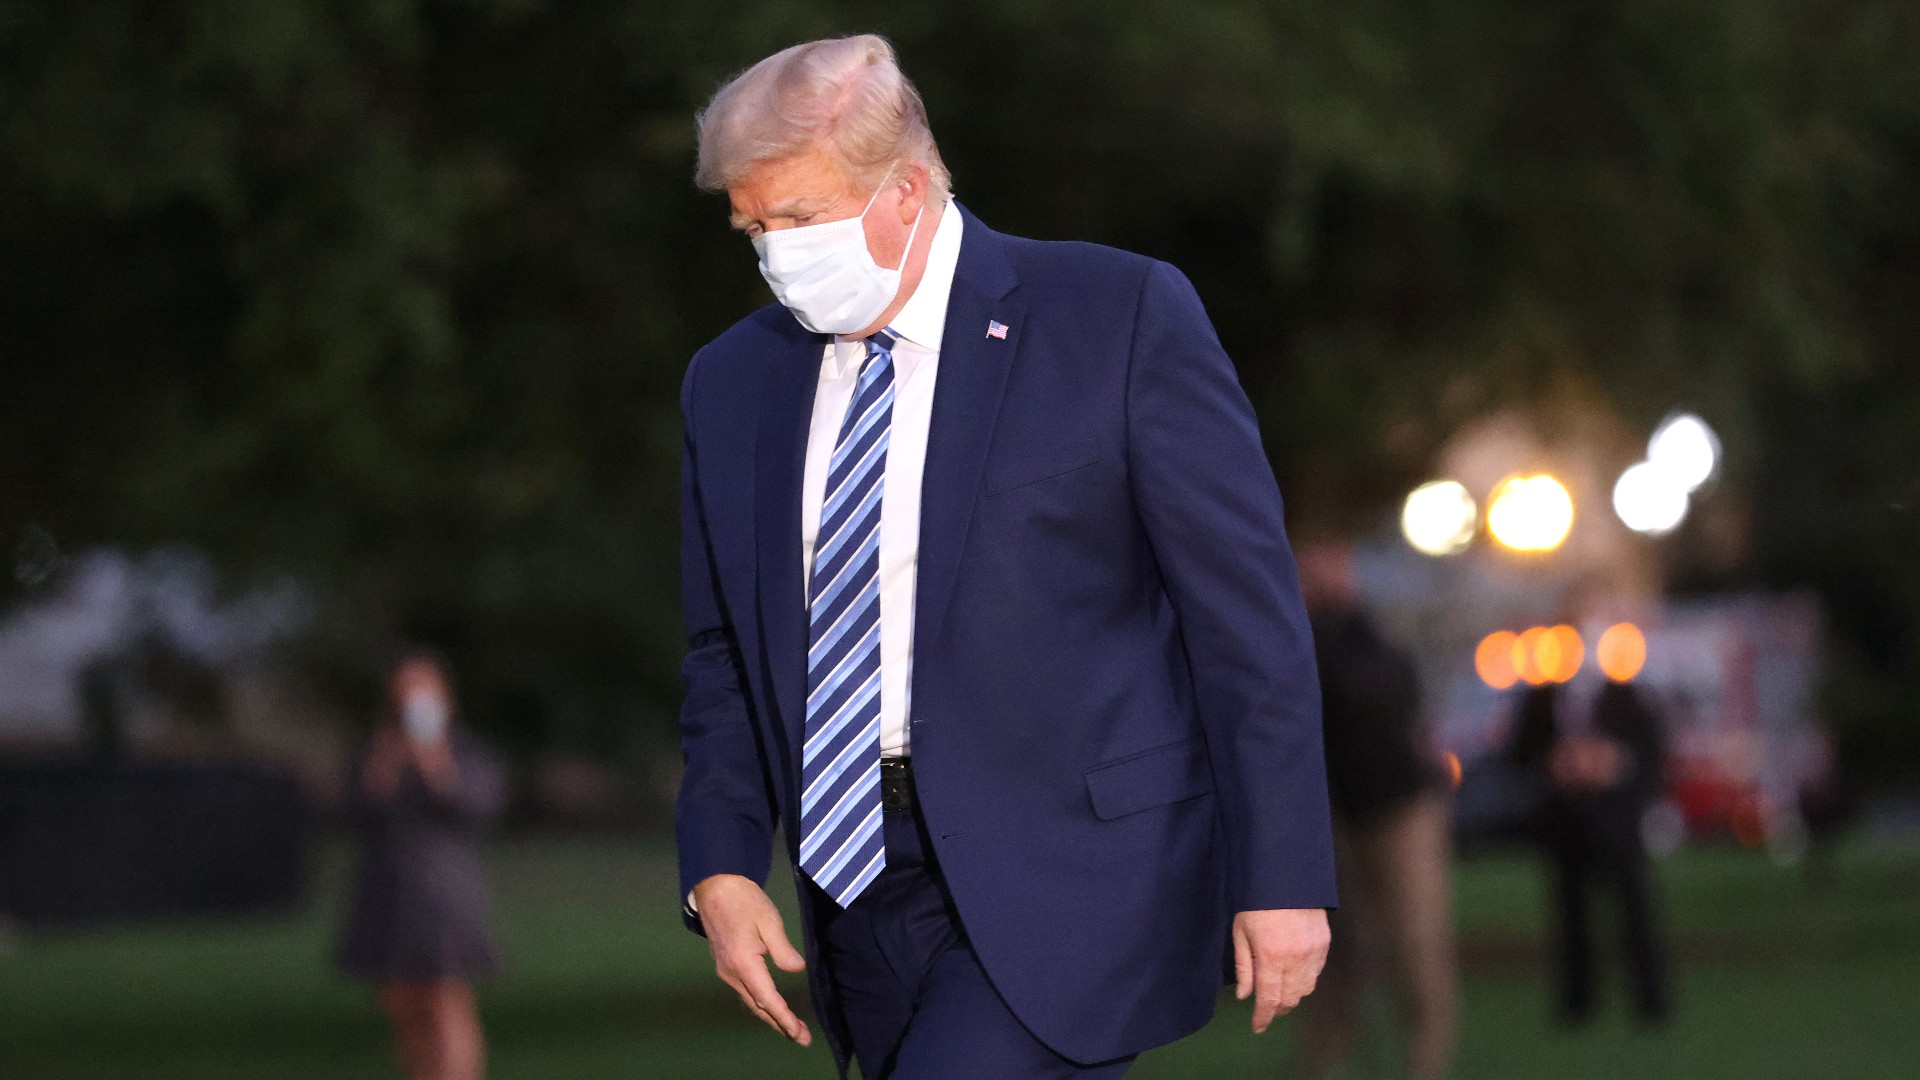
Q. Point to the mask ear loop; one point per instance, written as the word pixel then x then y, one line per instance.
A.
pixel 911 233
pixel 875 197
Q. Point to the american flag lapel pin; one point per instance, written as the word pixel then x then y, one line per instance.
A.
pixel 996 329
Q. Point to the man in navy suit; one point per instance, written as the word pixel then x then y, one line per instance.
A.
pixel 990 610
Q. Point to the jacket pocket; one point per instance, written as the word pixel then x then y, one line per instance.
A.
pixel 1045 465
pixel 1156 777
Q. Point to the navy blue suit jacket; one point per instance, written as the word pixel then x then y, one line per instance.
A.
pixel 1115 715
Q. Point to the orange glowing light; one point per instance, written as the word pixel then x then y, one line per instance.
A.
pixel 1494 660
pixel 1453 767
pixel 1622 652
pixel 1565 653
pixel 1549 656
pixel 1528 650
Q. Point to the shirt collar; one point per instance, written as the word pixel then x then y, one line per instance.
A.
pixel 923 321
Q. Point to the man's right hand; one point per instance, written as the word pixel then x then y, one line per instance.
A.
pixel 744 928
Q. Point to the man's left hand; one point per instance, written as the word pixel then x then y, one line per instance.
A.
pixel 1277 957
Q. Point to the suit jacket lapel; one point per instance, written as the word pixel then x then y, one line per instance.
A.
pixel 972 376
pixel 966 404
pixel 786 412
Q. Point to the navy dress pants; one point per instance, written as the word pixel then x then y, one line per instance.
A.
pixel 915 999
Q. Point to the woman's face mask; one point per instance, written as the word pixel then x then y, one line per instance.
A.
pixel 825 275
pixel 424 716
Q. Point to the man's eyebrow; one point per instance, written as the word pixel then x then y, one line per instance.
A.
pixel 794 209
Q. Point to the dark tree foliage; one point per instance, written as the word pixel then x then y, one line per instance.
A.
pixel 396 294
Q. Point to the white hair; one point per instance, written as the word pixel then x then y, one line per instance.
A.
pixel 844 95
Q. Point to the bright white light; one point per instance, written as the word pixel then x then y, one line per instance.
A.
pixel 1439 518
pixel 1686 449
pixel 1650 499
pixel 1531 513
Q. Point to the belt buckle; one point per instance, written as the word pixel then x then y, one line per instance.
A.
pixel 896 786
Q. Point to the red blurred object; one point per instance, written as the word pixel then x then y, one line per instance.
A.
pixel 1715 803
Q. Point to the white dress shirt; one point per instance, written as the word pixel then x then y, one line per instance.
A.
pixel 916 363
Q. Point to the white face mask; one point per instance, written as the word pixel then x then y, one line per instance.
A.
pixel 825 275
pixel 424 715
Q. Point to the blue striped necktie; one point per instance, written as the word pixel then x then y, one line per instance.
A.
pixel 841 846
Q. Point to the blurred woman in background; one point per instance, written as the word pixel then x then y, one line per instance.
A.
pixel 419 795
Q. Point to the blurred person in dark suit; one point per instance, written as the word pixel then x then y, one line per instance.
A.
pixel 1604 750
pixel 1390 804
pixel 419 795
pixel 991 608
pixel 1827 804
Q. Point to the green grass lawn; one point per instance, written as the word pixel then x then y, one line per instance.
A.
pixel 1778 980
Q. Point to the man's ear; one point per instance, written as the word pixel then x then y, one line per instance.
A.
pixel 915 181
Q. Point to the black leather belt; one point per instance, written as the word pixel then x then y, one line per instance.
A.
pixel 896 785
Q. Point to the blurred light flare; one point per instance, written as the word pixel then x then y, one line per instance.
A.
pixel 1564 653
pixel 1650 500
pixel 1537 656
pixel 1527 654
pixel 1621 652
pixel 1531 513
pixel 1686 450
pixel 1439 518
pixel 1653 496
pixel 1493 660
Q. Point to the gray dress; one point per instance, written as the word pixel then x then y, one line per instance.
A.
pixel 418 912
